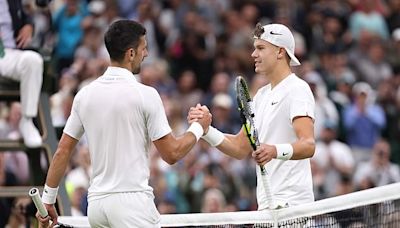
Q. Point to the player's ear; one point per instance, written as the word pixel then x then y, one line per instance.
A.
pixel 131 54
pixel 280 53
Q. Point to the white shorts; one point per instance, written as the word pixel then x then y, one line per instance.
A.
pixel 129 209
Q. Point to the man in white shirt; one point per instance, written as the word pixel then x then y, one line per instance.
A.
pixel 120 118
pixel 25 66
pixel 284 117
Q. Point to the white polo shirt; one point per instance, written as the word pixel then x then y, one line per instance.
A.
pixel 291 181
pixel 120 118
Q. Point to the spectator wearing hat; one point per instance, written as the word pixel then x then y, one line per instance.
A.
pixel 363 121
pixel 221 108
pixel 393 52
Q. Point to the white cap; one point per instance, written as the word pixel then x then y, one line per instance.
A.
pixel 222 100
pixel 362 87
pixel 396 34
pixel 97 6
pixel 280 35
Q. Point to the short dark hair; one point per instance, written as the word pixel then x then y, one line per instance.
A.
pixel 121 35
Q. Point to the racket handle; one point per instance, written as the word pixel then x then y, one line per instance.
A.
pixel 35 195
pixel 267 187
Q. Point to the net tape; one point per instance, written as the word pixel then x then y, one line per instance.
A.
pixel 375 199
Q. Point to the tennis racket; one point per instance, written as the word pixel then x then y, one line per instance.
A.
pixel 247 116
pixel 35 195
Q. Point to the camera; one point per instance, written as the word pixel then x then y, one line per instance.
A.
pixel 42 3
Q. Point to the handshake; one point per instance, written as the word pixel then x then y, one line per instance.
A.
pixel 202 115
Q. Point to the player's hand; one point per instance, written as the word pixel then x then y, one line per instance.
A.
pixel 264 154
pixel 206 120
pixel 24 36
pixel 195 113
pixel 45 222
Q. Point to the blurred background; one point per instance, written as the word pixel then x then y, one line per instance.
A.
pixel 350 55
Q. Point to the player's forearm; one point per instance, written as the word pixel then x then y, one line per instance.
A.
pixel 60 160
pixel 57 168
pixel 172 149
pixel 232 146
pixel 303 148
pixel 183 146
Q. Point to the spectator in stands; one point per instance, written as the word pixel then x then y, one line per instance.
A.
pixel 221 107
pixel 378 171
pixel 363 121
pixel 373 67
pixel 67 23
pixel 213 201
pixel 334 157
pixel 220 83
pixel 393 53
pixel 368 18
pixel 187 91
pixel 16 30
pixel 325 110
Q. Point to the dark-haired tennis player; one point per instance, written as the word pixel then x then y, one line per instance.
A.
pixel 120 118
pixel 284 117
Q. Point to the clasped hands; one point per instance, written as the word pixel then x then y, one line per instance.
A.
pixel 262 155
pixel 200 114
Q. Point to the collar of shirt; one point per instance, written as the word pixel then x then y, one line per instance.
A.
pixel 119 72
pixel 283 82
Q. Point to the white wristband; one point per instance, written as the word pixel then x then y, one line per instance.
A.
pixel 214 137
pixel 49 195
pixel 196 129
pixel 284 151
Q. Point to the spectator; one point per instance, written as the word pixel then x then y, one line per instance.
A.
pixel 334 157
pixel 367 18
pixel 325 110
pixel 25 66
pixel 363 121
pixel 67 23
pixel 378 171
pixel 221 108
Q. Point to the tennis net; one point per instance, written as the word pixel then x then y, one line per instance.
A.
pixel 377 207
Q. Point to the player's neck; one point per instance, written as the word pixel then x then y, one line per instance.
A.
pixel 279 75
pixel 125 65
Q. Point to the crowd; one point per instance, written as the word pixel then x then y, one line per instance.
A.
pixel 350 55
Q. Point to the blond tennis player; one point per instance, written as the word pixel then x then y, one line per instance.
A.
pixel 284 117
pixel 120 118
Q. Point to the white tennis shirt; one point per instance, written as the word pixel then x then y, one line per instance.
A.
pixel 291 181
pixel 120 118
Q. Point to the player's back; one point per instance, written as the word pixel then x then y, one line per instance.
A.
pixel 113 113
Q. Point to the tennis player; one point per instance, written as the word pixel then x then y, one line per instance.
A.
pixel 284 117
pixel 120 118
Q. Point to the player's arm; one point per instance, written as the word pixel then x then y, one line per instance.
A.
pixel 173 149
pixel 60 160
pixel 55 173
pixel 304 146
pixel 236 146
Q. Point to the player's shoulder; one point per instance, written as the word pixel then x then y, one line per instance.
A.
pixel 148 93
pixel 297 82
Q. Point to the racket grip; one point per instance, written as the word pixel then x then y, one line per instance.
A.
pixel 35 195
pixel 267 187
